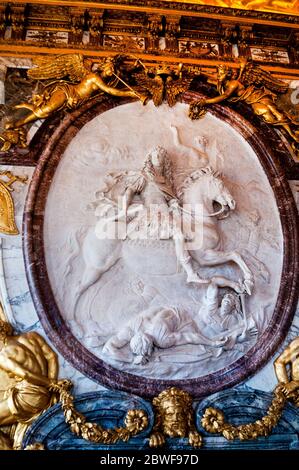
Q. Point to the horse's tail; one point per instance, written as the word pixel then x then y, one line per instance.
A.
pixel 73 247
pixel 259 268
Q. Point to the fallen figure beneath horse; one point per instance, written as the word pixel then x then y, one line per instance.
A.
pixel 167 327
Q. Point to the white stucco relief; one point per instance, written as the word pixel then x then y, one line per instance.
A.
pixel 193 314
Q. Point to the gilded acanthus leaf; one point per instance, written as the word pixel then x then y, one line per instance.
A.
pixel 7 215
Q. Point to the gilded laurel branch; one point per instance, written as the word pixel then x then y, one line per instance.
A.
pixel 213 420
pixel 135 421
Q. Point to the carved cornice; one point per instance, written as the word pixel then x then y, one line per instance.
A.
pixel 164 7
pixel 152 30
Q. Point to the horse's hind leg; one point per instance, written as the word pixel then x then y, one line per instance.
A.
pixel 92 274
pixel 89 278
pixel 214 258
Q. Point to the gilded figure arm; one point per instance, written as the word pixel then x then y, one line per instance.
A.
pixel 16 369
pixel 50 356
pixel 230 90
pixel 289 355
pixel 112 90
pixel 280 366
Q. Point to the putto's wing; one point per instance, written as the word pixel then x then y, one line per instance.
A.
pixel 60 66
pixel 174 88
pixel 155 86
pixel 256 75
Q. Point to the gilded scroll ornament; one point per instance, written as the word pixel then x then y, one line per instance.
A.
pixel 213 419
pixel 7 216
pixel 74 83
pixel 135 421
pixel 28 368
pixel 254 86
pixel 174 418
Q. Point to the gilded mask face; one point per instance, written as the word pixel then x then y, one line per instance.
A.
pixel 175 422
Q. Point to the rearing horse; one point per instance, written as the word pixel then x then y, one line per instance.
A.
pixel 204 187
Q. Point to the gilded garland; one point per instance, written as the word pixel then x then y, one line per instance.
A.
pixel 30 385
pixel 135 421
pixel 213 419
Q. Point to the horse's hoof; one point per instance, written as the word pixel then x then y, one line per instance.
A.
pixel 248 286
pixel 195 278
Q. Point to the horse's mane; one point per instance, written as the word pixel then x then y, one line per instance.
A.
pixel 195 175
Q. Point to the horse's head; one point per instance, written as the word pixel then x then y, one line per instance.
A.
pixel 219 193
pixel 208 184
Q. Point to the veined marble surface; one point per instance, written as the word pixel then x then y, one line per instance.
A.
pixel 265 379
pixel 14 290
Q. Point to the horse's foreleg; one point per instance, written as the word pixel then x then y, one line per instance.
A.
pixel 214 258
pixel 222 281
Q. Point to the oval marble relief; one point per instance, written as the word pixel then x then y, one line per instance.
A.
pixel 200 307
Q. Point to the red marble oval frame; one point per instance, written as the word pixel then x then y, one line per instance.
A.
pixel 49 314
